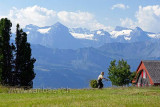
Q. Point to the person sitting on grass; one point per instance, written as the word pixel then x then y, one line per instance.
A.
pixel 99 81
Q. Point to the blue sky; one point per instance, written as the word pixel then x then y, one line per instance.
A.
pixel 92 14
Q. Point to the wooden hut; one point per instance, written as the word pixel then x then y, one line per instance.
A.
pixel 147 73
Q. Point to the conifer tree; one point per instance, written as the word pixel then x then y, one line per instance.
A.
pixel 24 64
pixel 6 52
pixel 17 59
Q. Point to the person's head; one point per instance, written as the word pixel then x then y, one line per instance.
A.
pixel 102 73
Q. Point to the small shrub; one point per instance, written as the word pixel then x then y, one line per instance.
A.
pixel 93 84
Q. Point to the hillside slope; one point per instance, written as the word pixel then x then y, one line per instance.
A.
pixel 62 68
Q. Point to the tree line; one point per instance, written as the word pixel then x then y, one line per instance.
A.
pixel 16 62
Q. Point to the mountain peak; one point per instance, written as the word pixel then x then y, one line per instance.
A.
pixel 58 24
pixel 31 26
pixel 138 28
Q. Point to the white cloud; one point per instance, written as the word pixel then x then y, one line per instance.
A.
pixel 75 19
pixel 32 15
pixel 44 17
pixel 127 22
pixel 80 19
pixel 120 6
pixel 148 18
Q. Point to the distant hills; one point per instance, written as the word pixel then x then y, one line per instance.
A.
pixel 67 68
pixel 71 57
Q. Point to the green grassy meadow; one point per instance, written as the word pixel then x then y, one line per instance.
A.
pixel 108 97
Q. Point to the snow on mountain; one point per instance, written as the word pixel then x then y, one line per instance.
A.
pixel 86 34
pixel 129 35
pixel 120 34
pixel 81 33
pixel 156 36
pixel 43 31
pixel 127 38
pixel 55 36
pixel 60 36
pixel 82 36
pixel 100 32
pixel 125 33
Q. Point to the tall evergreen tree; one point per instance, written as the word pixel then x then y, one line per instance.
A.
pixel 6 55
pixel 24 64
pixel 18 53
pixel 1 56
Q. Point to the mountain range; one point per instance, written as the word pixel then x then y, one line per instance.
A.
pixel 71 57
pixel 62 37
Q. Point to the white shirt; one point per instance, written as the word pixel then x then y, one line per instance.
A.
pixel 100 77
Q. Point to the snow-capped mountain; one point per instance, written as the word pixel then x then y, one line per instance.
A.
pixel 129 35
pixel 91 38
pixel 59 36
pixel 81 33
pixel 55 36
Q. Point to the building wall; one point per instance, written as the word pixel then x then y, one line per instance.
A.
pixel 143 79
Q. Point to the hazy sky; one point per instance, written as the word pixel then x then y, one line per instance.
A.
pixel 91 14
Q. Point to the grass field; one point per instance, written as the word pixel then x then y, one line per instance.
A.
pixel 108 97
